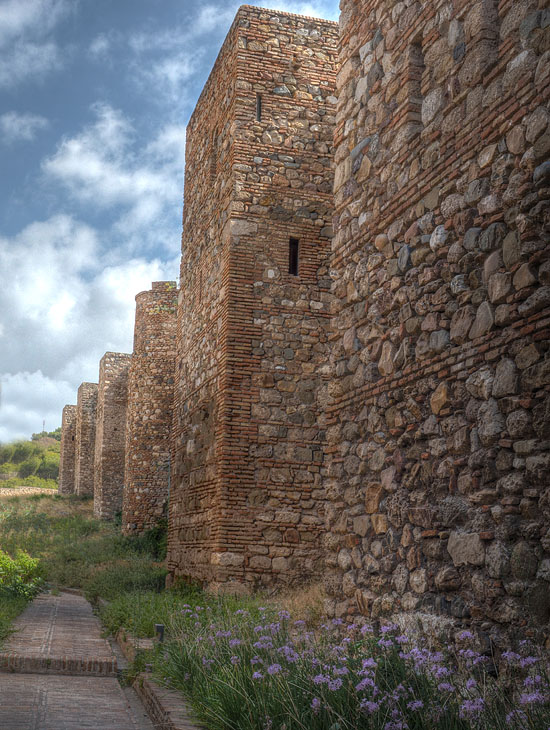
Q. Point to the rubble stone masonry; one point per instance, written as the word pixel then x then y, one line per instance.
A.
pixel 110 443
pixel 67 452
pixel 149 409
pixel 438 461
pixel 246 498
pixel 85 439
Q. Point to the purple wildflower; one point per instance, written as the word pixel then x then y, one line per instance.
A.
pixel 335 684
pixel 274 669
pixel 532 698
pixel 257 675
pixel 369 706
pixel 234 642
pixel 315 704
pixel 235 660
pixel 415 705
pixel 445 687
pixel 465 635
pixel 471 684
pixel 320 679
pixel 284 614
pixel 472 708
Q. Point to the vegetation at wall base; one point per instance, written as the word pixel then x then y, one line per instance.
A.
pixel 75 550
pixel 260 669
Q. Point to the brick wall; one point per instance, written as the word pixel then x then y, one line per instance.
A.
pixel 246 497
pixel 67 453
pixel 109 457
pixel 149 409
pixel 85 438
pixel 438 458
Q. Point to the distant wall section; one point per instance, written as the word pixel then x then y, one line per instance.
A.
pixel 110 444
pixel 67 452
pixel 85 438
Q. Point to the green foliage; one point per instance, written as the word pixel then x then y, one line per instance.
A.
pixel 48 434
pixel 29 467
pixel 49 465
pixel 30 459
pixel 10 607
pixel 19 576
pixel 135 574
pixel 151 542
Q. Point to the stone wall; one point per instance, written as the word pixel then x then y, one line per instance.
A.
pixel 438 461
pixel 67 452
pixel 85 439
pixel 110 443
pixel 246 497
pixel 149 409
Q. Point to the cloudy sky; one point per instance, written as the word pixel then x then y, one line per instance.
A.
pixel 94 98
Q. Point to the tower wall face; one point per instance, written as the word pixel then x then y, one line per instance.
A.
pixel 246 500
pixel 149 409
pixel 438 461
pixel 109 456
pixel 85 439
pixel 67 452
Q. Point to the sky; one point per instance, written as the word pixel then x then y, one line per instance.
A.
pixel 94 99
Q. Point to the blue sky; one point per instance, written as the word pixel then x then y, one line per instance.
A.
pixel 94 98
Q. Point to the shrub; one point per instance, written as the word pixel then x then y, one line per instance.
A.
pixel 29 467
pixel 48 467
pixel 19 576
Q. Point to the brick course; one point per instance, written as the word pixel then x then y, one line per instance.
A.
pixel 149 409
pixel 110 444
pixel 67 451
pixel 85 439
pixel 246 494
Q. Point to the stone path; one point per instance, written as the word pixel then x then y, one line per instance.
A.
pixel 59 635
pixel 20 491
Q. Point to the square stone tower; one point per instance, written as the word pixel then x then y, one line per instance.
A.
pixel 85 439
pixel 110 434
pixel 67 452
pixel 246 499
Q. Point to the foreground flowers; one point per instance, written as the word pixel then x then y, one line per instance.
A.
pixel 259 669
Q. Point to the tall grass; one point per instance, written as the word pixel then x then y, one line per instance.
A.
pixel 256 670
pixel 77 551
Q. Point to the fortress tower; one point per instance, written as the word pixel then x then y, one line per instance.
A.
pixel 67 451
pixel 246 498
pixel 109 455
pixel 85 439
pixel 149 409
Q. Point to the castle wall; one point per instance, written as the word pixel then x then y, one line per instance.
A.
pixel 246 500
pixel 85 439
pixel 438 460
pixel 149 409
pixel 109 454
pixel 67 452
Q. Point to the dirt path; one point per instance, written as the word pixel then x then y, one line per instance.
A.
pixel 57 671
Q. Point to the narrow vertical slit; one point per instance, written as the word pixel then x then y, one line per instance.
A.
pixel 258 107
pixel 293 248
pixel 414 82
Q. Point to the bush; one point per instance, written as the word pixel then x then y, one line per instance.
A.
pixel 19 576
pixel 23 450
pixel 49 466
pixel 29 467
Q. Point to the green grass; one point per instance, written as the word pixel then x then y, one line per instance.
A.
pixel 10 608
pixel 77 551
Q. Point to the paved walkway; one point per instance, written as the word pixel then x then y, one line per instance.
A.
pixel 58 673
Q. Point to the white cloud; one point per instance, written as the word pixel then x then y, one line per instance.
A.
pixel 16 127
pixel 27 49
pixel 103 165
pixel 66 305
pixel 100 47
pixel 27 399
